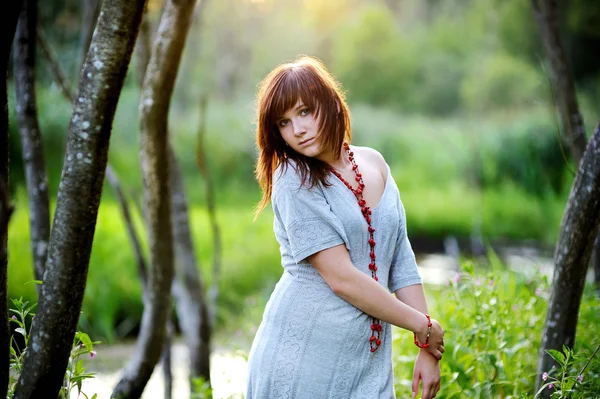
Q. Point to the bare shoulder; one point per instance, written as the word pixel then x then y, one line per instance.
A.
pixel 373 157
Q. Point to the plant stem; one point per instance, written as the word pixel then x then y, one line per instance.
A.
pixel 589 360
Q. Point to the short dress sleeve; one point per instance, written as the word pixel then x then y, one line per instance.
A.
pixel 403 271
pixel 305 217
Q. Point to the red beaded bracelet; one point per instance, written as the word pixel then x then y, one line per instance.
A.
pixel 426 344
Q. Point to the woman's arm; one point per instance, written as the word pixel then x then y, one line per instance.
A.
pixel 427 368
pixel 366 294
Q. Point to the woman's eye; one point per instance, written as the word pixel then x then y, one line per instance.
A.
pixel 304 112
pixel 283 123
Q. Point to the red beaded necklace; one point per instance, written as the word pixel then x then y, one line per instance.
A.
pixel 374 340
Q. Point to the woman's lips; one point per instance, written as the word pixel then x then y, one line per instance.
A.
pixel 305 142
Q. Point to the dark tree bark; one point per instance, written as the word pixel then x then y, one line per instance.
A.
pixel 546 13
pixel 188 288
pixel 31 138
pixel 79 193
pixel 576 239
pixel 154 108
pixel 8 24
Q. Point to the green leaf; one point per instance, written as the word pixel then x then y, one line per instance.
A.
pixel 556 355
pixel 85 340
pixel 21 331
pixel 36 282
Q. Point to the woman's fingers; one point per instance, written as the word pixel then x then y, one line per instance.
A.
pixel 435 352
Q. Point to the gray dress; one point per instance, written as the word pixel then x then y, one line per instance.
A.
pixel 312 344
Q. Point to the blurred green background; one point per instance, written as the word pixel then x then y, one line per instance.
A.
pixel 455 94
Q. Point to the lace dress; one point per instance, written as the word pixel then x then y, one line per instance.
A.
pixel 311 343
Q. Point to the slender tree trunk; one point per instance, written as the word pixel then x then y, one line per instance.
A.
pixel 8 23
pixel 166 360
pixel 213 291
pixel 31 138
pixel 113 180
pixel 154 108
pixel 576 239
pixel 546 13
pixel 142 50
pixel 78 198
pixel 188 288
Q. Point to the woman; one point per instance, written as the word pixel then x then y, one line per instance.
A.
pixel 341 228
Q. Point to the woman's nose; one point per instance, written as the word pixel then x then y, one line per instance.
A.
pixel 298 128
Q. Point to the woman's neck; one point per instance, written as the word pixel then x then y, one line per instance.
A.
pixel 342 163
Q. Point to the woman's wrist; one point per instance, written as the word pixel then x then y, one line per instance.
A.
pixel 421 338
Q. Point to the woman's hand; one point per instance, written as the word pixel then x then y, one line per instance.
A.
pixel 436 338
pixel 427 369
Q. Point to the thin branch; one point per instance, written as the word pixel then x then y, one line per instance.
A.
pixel 201 160
pixel 556 122
pixel 55 69
pixel 589 360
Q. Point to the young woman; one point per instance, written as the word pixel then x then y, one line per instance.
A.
pixel 341 228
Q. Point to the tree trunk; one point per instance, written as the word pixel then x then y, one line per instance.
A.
pixel 154 107
pixel 201 161
pixel 546 14
pixel 142 50
pixel 8 23
pixel 79 193
pixel 576 239
pixel 31 138
pixel 113 180
pixel 166 360
pixel 188 288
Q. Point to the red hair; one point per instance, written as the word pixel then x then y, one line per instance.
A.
pixel 308 80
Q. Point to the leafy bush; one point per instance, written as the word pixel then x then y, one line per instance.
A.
pixel 527 153
pixel 75 373
pixel 373 47
pixel 501 81
pixel 493 321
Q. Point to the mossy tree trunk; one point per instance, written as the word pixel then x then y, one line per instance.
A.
pixel 101 81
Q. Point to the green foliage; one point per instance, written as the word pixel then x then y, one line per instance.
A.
pixel 493 321
pixel 201 389
pixel 527 153
pixel 568 379
pixel 373 47
pixel 501 81
pixel 75 373
pixel 518 31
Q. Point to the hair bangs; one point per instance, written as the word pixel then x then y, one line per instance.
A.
pixel 306 80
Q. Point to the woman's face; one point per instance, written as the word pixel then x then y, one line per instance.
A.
pixel 300 129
